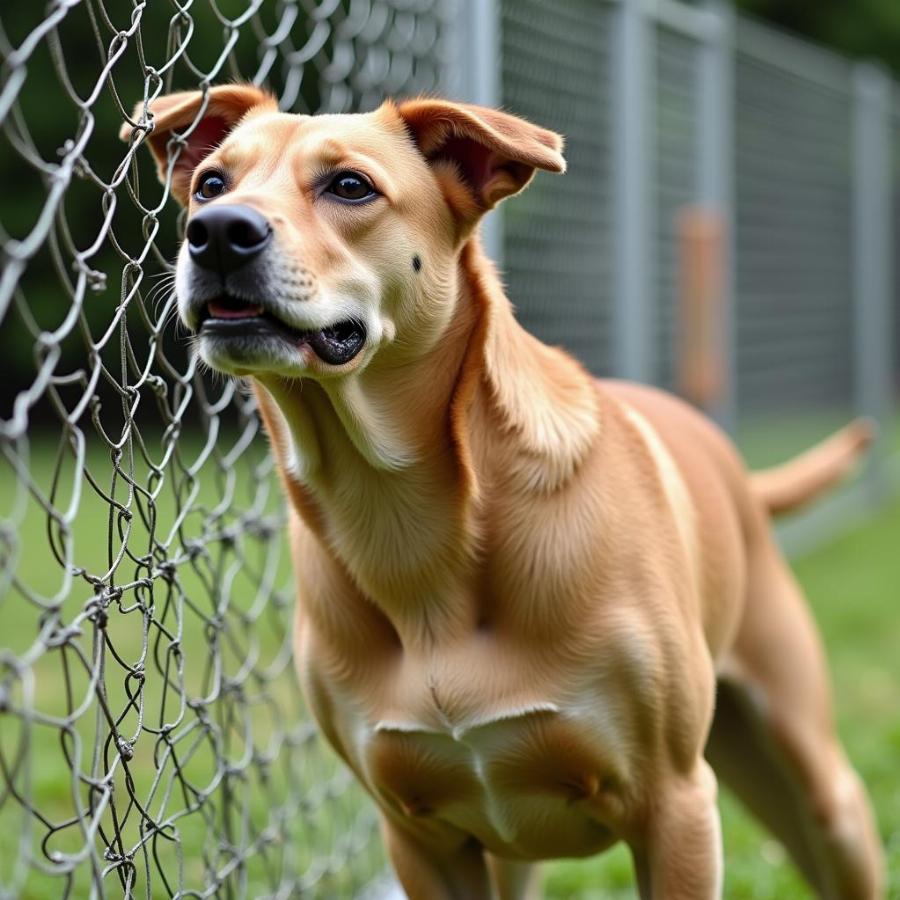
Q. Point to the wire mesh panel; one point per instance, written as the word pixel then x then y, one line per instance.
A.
pixel 152 740
pixel 558 234
pixel 676 100
pixel 794 218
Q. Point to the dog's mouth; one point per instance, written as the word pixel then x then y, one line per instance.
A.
pixel 231 317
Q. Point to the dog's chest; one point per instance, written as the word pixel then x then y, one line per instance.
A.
pixel 484 745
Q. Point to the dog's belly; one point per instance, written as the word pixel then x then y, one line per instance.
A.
pixel 530 782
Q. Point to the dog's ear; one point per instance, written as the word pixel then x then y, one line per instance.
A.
pixel 198 123
pixel 492 153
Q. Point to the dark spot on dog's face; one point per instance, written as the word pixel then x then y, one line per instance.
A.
pixel 417 263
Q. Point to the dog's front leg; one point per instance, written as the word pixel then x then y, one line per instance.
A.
pixel 430 866
pixel 514 880
pixel 679 853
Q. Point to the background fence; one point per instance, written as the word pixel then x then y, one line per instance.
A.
pixel 667 107
pixel 152 742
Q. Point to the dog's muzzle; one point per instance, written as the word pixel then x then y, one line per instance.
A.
pixel 224 241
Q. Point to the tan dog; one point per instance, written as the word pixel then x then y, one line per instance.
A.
pixel 518 587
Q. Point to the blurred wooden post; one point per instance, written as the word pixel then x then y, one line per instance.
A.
pixel 701 371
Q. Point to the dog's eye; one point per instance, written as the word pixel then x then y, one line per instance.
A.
pixel 211 185
pixel 350 186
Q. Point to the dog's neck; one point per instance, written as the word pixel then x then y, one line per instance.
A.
pixel 390 469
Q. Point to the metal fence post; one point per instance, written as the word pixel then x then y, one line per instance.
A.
pixel 476 77
pixel 715 168
pixel 633 176
pixel 872 254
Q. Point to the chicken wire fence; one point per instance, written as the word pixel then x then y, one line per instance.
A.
pixel 152 741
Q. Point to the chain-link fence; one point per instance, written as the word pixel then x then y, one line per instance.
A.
pixel 794 220
pixel 152 740
pixel 558 249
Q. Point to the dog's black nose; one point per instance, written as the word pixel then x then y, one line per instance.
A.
pixel 224 238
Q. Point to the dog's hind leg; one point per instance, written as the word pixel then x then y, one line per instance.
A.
pixel 773 740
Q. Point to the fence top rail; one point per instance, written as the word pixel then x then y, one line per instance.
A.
pixel 701 24
pixel 794 55
pixel 691 21
pixel 759 40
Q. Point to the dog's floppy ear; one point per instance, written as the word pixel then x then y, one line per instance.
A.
pixel 493 153
pixel 201 123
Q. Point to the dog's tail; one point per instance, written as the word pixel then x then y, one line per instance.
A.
pixel 802 479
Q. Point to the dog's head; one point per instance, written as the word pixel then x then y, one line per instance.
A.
pixel 315 242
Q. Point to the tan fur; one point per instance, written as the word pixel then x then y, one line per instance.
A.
pixel 518 586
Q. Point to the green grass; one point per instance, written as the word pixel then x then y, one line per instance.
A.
pixel 769 440
pixel 854 586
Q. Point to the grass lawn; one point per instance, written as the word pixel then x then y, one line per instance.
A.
pixel 769 440
pixel 854 585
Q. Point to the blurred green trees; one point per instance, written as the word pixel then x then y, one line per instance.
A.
pixel 868 28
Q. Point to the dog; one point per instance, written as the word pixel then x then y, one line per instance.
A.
pixel 538 614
